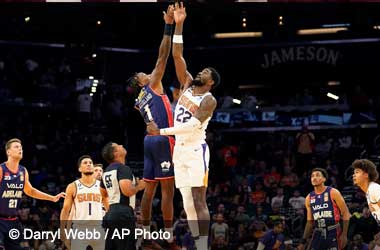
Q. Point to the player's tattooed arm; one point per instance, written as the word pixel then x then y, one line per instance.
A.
pixel 206 108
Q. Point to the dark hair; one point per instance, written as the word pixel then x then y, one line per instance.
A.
pixel 368 167
pixel 98 165
pixel 107 152
pixel 82 158
pixel 132 81
pixel 9 143
pixel 215 76
pixel 277 223
pixel 323 171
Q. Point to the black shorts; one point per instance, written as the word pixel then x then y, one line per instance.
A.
pixel 120 217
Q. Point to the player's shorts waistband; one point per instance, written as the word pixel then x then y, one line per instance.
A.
pixel 188 144
pixel 8 217
pixel 329 228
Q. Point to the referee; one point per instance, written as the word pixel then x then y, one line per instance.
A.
pixel 121 188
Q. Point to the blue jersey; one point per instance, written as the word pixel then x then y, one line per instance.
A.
pixel 324 210
pixel 155 106
pixel 11 190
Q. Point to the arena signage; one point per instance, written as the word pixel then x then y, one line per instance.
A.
pixel 302 54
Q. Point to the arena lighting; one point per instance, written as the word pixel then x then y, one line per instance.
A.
pixel 93 89
pixel 99 22
pixel 237 35
pixel 96 81
pixel 94 84
pixel 335 97
pixel 91 94
pixel 319 31
pixel 236 101
pixel 333 83
pixel 27 19
pixel 93 55
pixel 91 77
pixel 376 27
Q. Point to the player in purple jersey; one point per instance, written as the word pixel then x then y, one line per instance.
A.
pixel 153 104
pixel 14 181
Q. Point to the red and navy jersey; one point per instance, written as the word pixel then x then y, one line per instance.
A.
pixel 158 106
pixel 11 190
pixel 324 209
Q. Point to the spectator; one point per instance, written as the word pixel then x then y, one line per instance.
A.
pixel 297 201
pixel 278 200
pixel 258 196
pixel 305 140
pixel 272 178
pixel 357 243
pixel 241 217
pixel 273 239
pixel 219 229
pixel 290 179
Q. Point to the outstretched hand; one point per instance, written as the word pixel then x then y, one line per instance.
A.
pixel 179 13
pixel 59 196
pixel 169 15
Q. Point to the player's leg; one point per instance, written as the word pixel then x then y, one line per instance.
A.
pixel 199 196
pixel 167 193
pixel 151 183
pixel 199 180
pixel 164 172
pixel 182 156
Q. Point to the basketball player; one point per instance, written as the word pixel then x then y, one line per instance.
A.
pixel 325 206
pixel 365 177
pixel 121 187
pixel 14 180
pixel 153 103
pixel 84 200
pixel 98 171
pixel 191 156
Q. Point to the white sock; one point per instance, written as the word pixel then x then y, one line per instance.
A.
pixel 170 231
pixel 198 244
pixel 203 242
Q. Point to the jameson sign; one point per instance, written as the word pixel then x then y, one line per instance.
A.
pixel 302 54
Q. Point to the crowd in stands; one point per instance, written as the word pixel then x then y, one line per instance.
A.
pixel 257 182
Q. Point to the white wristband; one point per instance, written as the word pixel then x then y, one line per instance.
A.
pixel 177 39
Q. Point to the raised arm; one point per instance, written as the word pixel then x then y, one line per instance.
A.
pixel 163 53
pixel 184 77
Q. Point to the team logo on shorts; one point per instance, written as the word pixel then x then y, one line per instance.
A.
pixel 165 166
